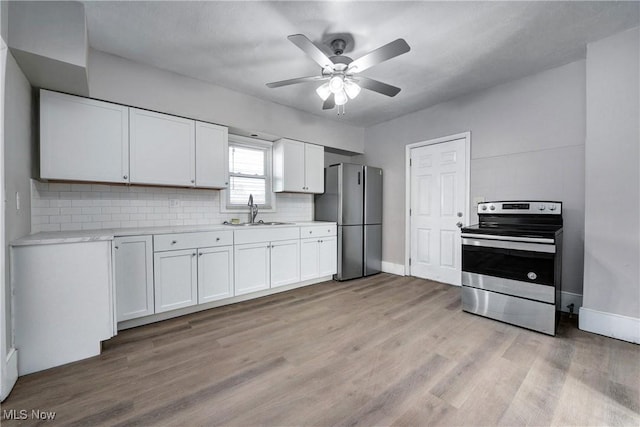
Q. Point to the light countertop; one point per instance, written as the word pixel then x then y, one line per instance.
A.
pixel 58 237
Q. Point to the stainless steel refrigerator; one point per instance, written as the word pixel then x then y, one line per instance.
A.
pixel 353 199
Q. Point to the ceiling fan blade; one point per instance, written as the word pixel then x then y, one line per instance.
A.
pixel 329 103
pixel 381 54
pixel 377 86
pixel 297 80
pixel 312 50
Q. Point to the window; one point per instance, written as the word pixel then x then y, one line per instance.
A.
pixel 249 173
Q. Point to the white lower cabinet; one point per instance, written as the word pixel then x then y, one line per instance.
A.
pixel 252 267
pixel 318 257
pixel 318 254
pixel 285 268
pixel 309 266
pixel 266 265
pixel 328 256
pixel 176 279
pixel 215 273
pixel 133 262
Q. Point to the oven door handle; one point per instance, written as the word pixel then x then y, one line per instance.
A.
pixel 505 244
pixel 509 238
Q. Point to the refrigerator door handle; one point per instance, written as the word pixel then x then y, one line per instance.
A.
pixel 358 178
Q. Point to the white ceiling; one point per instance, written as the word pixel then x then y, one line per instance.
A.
pixel 456 47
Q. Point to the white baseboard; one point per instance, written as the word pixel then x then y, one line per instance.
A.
pixel 389 267
pixel 567 298
pixel 10 376
pixel 609 324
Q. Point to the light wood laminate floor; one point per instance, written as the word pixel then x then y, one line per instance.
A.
pixel 384 350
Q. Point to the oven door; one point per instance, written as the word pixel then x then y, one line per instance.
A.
pixel 515 260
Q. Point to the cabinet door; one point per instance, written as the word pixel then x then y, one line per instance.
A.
pixel 309 259
pixel 328 256
pixel 215 273
pixel 176 279
pixel 285 262
pixel 133 259
pixel 212 155
pixel 314 168
pixel 83 139
pixel 162 149
pixel 288 166
pixel 251 267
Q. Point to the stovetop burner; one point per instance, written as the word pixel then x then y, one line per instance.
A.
pixel 532 219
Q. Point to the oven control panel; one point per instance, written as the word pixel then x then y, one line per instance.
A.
pixel 520 207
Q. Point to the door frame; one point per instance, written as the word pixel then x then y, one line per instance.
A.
pixel 407 198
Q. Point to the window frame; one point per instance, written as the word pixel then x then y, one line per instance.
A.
pixel 270 198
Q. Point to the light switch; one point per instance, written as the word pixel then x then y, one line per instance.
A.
pixel 174 203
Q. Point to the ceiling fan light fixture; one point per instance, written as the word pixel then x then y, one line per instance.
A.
pixel 336 84
pixel 351 88
pixel 341 98
pixel 323 91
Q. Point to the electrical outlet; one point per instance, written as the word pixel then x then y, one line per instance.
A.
pixel 174 203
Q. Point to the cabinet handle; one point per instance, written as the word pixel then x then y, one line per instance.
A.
pixel 217 239
pixel 193 181
pixel 200 254
pixel 117 247
pixel 173 242
pixel 125 177
pixel 193 254
pixel 226 183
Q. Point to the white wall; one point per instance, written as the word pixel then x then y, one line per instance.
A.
pixel 612 206
pixel 62 207
pixel 119 80
pixel 49 40
pixel 527 142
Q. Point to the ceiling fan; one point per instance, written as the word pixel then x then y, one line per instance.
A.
pixel 341 72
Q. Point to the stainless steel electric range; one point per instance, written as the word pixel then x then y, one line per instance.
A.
pixel 512 263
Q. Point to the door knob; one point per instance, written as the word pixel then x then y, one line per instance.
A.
pixel 459 224
pixel 459 214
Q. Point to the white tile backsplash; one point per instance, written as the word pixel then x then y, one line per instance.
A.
pixel 62 207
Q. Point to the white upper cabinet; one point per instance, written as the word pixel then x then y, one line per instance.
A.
pixel 83 139
pixel 298 167
pixel 314 168
pixel 161 149
pixel 212 158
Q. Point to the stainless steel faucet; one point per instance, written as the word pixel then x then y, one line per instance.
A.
pixel 253 209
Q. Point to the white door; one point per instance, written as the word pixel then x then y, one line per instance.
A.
pixel 176 279
pixel 161 149
pixel 251 267
pixel 328 256
pixel 83 139
pixel 215 273
pixel 212 155
pixel 285 262
pixel 314 168
pixel 309 268
pixel 438 194
pixel 133 259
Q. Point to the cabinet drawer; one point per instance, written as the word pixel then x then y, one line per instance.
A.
pixel 267 234
pixel 169 242
pixel 318 231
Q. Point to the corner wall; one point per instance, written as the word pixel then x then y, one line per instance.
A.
pixel 612 200
pixel 527 142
